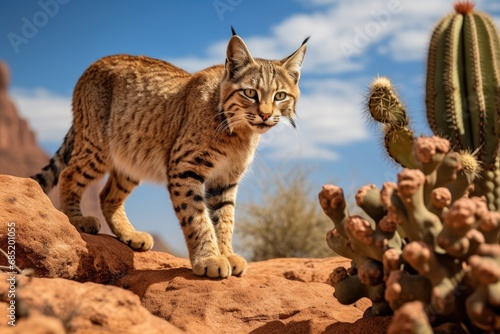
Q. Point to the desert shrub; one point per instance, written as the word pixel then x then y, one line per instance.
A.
pixel 286 221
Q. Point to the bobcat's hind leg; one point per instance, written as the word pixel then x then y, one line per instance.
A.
pixel 112 197
pixel 87 164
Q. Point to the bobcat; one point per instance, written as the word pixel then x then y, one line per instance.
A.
pixel 139 118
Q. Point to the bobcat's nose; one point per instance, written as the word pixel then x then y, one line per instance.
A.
pixel 265 116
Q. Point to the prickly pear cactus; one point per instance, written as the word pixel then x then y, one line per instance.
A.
pixel 462 96
pixel 423 248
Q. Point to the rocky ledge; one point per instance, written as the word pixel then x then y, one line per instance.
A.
pixel 81 283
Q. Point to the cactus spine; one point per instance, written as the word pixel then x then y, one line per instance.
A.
pixel 462 96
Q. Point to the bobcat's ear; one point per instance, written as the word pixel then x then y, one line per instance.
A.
pixel 237 55
pixel 293 63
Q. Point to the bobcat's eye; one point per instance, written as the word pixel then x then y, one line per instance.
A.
pixel 251 93
pixel 280 96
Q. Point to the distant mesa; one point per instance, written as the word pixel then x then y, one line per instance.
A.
pixel 19 153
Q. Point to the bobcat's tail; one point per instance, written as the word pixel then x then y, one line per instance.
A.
pixel 49 175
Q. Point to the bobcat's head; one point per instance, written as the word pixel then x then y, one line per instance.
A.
pixel 256 92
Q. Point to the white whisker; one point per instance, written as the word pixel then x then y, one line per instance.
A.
pixel 295 129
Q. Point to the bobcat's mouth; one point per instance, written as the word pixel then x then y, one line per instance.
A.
pixel 261 127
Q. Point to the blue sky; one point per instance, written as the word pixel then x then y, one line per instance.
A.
pixel 49 43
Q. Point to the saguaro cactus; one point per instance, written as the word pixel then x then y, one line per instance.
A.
pixel 462 96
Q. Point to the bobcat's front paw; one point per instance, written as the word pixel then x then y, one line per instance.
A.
pixel 138 241
pixel 238 264
pixel 216 266
pixel 87 224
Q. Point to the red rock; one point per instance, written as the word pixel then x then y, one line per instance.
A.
pixel 18 148
pixel 36 324
pixel 78 308
pixel 46 241
pixel 256 303
pixel 275 296
pixel 297 269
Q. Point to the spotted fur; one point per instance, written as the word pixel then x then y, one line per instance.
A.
pixel 137 118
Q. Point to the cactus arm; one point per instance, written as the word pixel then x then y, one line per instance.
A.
pixel 398 143
pixel 443 272
pixel 466 175
pixel 384 107
pixel 368 199
pixel 482 305
pixel 410 318
pixel 384 104
pixel 339 245
pixel 421 224
pixel 348 288
pixel 402 288
pixel 332 201
pixel 361 238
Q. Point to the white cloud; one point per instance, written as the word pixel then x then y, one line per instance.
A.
pixel 330 114
pixel 48 114
pixel 403 27
pixel 342 34
pixel 402 47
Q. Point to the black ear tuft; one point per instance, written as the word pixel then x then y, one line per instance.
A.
pixel 305 40
pixel 233 31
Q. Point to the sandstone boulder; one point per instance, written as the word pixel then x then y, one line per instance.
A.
pixel 59 305
pixel 46 241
